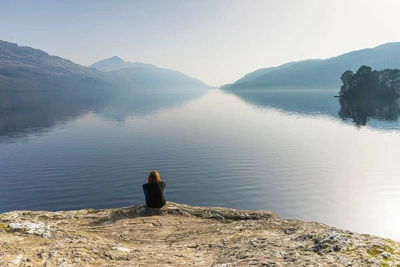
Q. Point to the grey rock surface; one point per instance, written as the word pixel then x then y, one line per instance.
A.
pixel 181 235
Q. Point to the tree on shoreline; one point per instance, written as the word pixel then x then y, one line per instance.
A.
pixel 368 83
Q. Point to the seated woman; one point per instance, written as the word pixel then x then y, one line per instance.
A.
pixel 154 191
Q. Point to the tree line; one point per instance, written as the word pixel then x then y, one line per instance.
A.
pixel 368 83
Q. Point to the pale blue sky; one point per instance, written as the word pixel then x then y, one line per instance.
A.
pixel 216 41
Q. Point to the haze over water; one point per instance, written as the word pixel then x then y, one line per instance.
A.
pixel 296 153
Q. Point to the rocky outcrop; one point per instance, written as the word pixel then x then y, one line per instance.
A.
pixel 181 235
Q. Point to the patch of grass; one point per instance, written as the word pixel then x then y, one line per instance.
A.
pixel 90 210
pixel 349 251
pixel 390 242
pixel 5 227
pixel 389 248
pixel 376 250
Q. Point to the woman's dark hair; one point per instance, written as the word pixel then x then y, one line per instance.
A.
pixel 154 178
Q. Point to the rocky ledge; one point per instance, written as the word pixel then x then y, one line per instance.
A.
pixel 181 235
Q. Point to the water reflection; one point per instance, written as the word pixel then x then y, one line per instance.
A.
pixel 25 113
pixel 307 102
pixel 22 113
pixel 360 111
pixel 377 113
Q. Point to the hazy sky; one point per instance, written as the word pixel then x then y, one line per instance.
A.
pixel 216 41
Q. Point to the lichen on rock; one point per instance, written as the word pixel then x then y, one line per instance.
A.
pixel 329 242
pixel 39 229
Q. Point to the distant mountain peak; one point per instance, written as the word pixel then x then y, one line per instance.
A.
pixel 115 59
pixel 116 63
pixel 111 60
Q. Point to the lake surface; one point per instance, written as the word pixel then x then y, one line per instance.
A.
pixel 300 154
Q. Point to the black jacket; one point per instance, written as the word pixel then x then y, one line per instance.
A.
pixel 154 194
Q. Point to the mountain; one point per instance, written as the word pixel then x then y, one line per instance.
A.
pixel 255 74
pixel 27 69
pixel 157 78
pixel 116 63
pixel 320 74
pixel 148 76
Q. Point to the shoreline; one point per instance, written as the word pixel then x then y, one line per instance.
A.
pixel 182 235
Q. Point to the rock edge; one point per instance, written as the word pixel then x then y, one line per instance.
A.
pixel 182 235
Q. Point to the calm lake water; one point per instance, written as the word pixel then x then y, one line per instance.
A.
pixel 300 154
